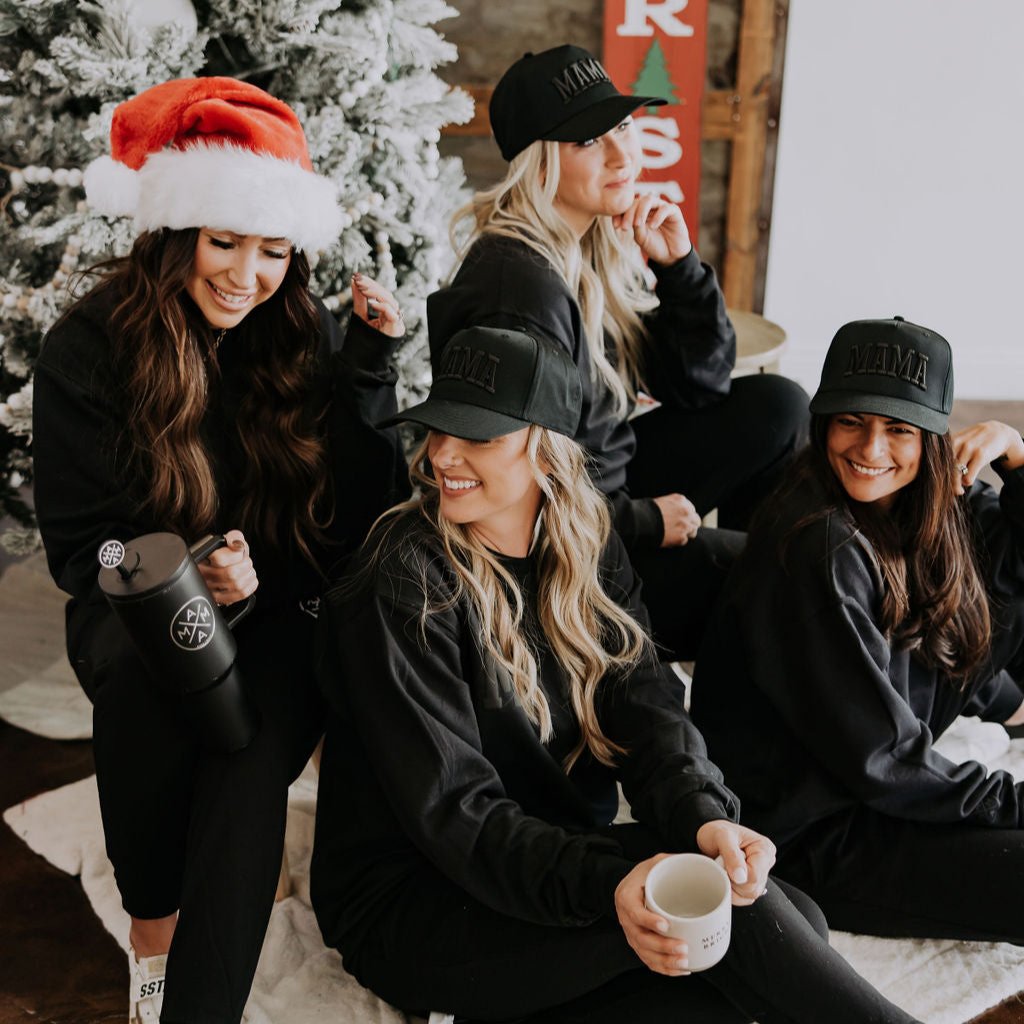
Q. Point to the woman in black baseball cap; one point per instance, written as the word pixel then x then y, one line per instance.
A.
pixel 491 678
pixel 558 246
pixel 881 595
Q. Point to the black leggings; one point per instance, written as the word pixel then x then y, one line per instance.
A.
pixel 436 948
pixel 726 456
pixel 192 831
pixel 900 879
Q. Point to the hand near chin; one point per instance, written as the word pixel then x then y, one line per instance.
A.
pixel 658 228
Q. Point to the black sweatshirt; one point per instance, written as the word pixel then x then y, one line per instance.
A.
pixel 78 412
pixel 430 761
pixel 687 359
pixel 809 710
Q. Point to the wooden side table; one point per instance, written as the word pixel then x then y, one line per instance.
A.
pixel 759 343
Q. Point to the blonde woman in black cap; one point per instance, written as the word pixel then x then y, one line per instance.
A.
pixel 558 247
pixel 199 388
pixel 490 679
pixel 881 595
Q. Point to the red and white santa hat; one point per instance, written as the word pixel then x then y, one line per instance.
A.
pixel 217 153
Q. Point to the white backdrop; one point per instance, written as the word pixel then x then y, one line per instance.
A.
pixel 900 181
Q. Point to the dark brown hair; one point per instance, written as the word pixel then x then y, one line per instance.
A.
pixel 164 355
pixel 934 602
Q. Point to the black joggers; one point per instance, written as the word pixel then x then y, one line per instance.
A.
pixel 906 879
pixel 192 831
pixel 436 948
pixel 726 456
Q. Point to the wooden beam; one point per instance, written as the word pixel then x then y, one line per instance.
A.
pixel 726 112
pixel 753 85
pixel 764 219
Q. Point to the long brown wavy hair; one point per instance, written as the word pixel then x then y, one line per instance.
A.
pixel 164 355
pixel 934 602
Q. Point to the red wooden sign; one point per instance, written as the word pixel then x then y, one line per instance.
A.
pixel 658 48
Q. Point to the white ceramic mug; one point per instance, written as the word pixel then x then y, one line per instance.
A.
pixel 694 895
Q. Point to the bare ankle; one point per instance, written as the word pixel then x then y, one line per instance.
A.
pixel 152 936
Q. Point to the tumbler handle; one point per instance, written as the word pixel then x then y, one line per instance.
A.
pixel 206 546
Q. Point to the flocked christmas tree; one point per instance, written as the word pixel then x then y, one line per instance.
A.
pixel 360 75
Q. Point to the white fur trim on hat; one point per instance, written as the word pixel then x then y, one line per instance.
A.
pixel 112 188
pixel 220 186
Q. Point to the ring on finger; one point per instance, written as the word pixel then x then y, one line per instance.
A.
pixel 963 467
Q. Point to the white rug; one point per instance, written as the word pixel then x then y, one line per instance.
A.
pixel 299 981
pixel 49 703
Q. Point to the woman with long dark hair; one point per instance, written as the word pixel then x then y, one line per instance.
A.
pixel 491 677
pixel 570 244
pixel 881 595
pixel 199 388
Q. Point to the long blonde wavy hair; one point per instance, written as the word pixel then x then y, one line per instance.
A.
pixel 602 271
pixel 588 633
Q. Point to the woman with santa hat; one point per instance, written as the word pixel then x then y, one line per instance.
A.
pixel 199 388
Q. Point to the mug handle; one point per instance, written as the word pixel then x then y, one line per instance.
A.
pixel 206 546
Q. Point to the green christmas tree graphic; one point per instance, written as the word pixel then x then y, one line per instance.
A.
pixel 654 79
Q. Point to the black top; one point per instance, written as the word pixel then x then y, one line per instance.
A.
pixel 429 759
pixel 811 712
pixel 687 360
pixel 82 499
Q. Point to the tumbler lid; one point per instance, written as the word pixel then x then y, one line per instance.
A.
pixel 154 561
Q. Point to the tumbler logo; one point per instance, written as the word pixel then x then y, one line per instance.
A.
pixel 111 554
pixel 193 626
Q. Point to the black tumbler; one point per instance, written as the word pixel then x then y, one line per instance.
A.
pixel 183 638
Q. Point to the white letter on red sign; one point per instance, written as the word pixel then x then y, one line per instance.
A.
pixel 661 12
pixel 657 140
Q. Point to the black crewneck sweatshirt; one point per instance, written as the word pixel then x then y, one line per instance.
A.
pixel 430 762
pixel 82 497
pixel 812 712
pixel 686 361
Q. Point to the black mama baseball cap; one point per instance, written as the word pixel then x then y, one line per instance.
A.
pixel 889 368
pixel 489 382
pixel 564 95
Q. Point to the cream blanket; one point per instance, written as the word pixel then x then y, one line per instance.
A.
pixel 301 982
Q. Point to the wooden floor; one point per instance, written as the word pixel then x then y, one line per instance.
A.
pixel 57 964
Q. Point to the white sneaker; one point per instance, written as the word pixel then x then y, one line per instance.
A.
pixel 146 987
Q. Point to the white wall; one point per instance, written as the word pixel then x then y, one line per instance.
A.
pixel 900 181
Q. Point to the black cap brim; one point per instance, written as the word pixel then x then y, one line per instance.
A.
pixel 831 402
pixel 600 118
pixel 458 419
